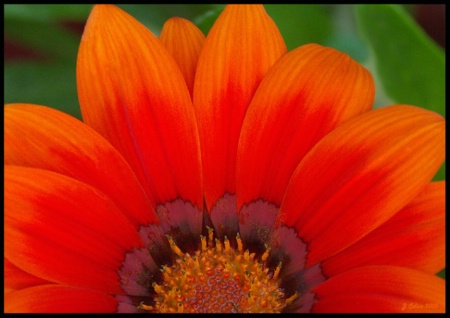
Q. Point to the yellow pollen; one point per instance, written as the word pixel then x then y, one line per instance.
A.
pixel 218 279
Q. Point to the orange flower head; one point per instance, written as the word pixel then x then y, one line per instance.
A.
pixel 221 174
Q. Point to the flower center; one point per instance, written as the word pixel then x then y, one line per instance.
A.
pixel 218 278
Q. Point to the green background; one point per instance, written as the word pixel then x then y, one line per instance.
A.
pixel 408 66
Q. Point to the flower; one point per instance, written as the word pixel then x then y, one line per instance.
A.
pixel 221 174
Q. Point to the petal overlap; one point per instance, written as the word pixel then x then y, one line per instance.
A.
pixel 184 40
pixel 309 92
pixel 16 279
pixel 61 143
pixel 64 231
pixel 239 49
pixel 132 92
pixel 360 175
pixel 414 237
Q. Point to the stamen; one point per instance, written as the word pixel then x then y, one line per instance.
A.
pixel 203 239
pixel 247 255
pixel 143 306
pixel 266 253
pixel 292 298
pixel 226 242
pixel 173 246
pixel 210 235
pixel 218 246
pixel 277 271
pixel 158 289
pixel 218 278
pixel 239 243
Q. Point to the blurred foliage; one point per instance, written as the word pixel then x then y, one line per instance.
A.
pixel 407 65
pixel 404 59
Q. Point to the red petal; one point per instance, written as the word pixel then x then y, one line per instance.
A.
pixel 414 237
pixel 132 92
pixel 360 175
pixel 64 231
pixel 381 289
pixel 59 299
pixel 309 92
pixel 184 41
pixel 41 137
pixel 242 45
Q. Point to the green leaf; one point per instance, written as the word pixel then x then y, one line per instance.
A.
pixel 440 175
pixel 206 20
pixel 344 37
pixel 300 24
pixel 410 66
pixel 43 37
pixel 51 85
pixel 47 13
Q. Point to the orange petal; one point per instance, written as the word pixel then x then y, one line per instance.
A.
pixel 377 289
pixel 132 92
pixel 15 278
pixel 184 41
pixel 41 137
pixel 414 237
pixel 242 45
pixel 360 175
pixel 59 299
pixel 63 230
pixel 308 93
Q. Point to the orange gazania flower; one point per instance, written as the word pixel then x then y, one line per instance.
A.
pixel 221 174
